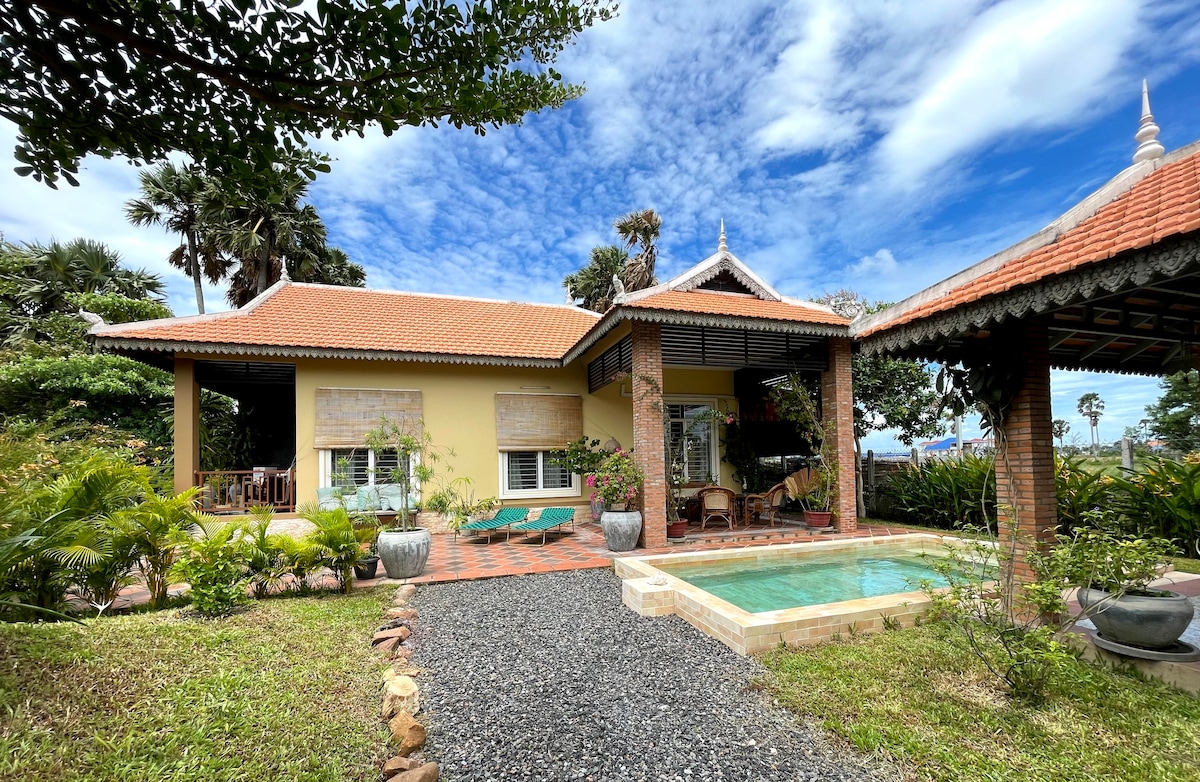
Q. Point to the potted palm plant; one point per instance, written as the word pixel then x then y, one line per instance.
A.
pixel 617 483
pixel 403 547
pixel 813 489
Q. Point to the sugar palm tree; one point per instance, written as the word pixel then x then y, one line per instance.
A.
pixel 172 198
pixel 594 282
pixel 262 229
pixel 640 229
pixel 1091 407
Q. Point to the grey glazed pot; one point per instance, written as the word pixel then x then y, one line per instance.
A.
pixel 403 553
pixel 621 529
pixel 1146 621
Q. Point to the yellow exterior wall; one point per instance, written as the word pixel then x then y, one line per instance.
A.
pixel 459 404
pixel 459 407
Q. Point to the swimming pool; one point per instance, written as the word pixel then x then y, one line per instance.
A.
pixel 816 579
pixel 755 598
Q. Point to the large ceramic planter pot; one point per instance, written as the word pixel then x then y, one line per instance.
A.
pixel 403 553
pixel 818 518
pixel 1146 621
pixel 621 529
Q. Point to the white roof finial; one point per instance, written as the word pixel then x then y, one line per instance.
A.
pixel 721 246
pixel 1149 147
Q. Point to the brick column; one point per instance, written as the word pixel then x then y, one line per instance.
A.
pixel 649 450
pixel 1025 491
pixel 837 410
pixel 187 424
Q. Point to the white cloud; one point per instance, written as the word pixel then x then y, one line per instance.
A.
pixel 1022 66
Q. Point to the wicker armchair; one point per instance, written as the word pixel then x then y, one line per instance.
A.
pixel 768 502
pixel 716 504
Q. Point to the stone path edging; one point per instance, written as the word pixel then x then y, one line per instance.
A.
pixel 401 696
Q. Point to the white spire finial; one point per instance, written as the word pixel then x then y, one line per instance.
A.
pixel 721 246
pixel 283 272
pixel 1149 147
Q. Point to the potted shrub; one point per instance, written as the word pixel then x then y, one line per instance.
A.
pixel 581 457
pixel 617 483
pixel 404 547
pixel 1113 573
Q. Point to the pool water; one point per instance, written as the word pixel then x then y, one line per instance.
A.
pixel 756 586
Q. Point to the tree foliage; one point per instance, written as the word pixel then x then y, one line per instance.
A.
pixel 1175 417
pixel 640 229
pixel 594 282
pixel 889 393
pixel 225 82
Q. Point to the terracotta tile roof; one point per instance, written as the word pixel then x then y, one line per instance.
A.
pixel 713 303
pixel 356 319
pixel 1164 203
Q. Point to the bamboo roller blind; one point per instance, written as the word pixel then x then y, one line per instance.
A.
pixel 345 415
pixel 534 422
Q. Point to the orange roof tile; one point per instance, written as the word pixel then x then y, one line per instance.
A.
pixel 1162 204
pixel 356 319
pixel 715 303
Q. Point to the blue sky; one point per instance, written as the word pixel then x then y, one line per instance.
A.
pixel 877 146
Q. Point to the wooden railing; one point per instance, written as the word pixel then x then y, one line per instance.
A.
pixel 236 491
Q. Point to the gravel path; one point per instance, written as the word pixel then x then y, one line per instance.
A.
pixel 550 677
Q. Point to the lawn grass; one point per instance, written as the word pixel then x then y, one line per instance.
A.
pixel 287 689
pixel 918 696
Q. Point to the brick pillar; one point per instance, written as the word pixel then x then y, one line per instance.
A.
pixel 1025 490
pixel 837 410
pixel 187 424
pixel 649 449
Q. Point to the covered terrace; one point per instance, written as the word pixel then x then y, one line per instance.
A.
pixel 1111 286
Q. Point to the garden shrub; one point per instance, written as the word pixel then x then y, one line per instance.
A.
pixel 947 493
pixel 213 562
pixel 1080 491
pixel 1163 500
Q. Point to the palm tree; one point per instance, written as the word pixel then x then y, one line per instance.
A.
pixel 640 228
pixel 594 282
pixel 262 229
pixel 1091 407
pixel 171 197
pixel 1059 430
pixel 37 278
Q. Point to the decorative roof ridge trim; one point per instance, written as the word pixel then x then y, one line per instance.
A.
pixel 812 305
pixel 644 293
pixel 448 296
pixel 713 265
pixel 616 315
pixel 1113 190
pixel 105 329
pixel 233 349
pixel 1113 275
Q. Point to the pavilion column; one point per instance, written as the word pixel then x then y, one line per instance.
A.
pixel 187 424
pixel 649 448
pixel 1025 490
pixel 837 411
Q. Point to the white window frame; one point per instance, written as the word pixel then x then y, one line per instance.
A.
pixel 574 490
pixel 325 468
pixel 714 445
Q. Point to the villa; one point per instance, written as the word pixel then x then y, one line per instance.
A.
pixel 313 368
